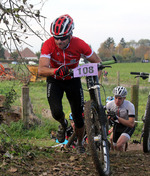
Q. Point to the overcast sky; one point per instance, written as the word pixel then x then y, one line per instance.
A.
pixel 96 20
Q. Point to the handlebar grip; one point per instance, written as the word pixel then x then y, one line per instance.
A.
pixel 135 73
pixel 110 61
pixel 140 73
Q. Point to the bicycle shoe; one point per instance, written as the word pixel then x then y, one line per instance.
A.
pixel 61 133
pixel 80 149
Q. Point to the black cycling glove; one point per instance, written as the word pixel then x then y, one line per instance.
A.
pixel 113 116
pixel 61 71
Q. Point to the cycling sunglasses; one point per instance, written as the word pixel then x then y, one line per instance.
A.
pixel 62 38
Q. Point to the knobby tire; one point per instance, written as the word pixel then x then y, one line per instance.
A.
pixel 99 149
pixel 146 137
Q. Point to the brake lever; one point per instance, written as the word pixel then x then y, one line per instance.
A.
pixel 142 76
pixel 115 59
pixel 137 76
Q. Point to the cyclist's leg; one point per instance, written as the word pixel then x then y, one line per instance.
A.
pixel 111 141
pixel 74 94
pixel 116 136
pixel 54 96
pixel 80 134
pixel 124 138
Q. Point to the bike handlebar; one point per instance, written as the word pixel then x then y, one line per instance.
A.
pixel 100 66
pixel 140 73
pixel 143 75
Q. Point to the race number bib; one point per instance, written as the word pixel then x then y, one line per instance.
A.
pixel 89 69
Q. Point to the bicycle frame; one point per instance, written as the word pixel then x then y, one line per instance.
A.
pixel 94 88
pixel 95 122
pixel 95 119
pixel 94 91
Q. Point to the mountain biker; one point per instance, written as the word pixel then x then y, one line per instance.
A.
pixel 59 53
pixel 122 112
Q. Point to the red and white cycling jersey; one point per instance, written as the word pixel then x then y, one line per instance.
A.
pixel 70 56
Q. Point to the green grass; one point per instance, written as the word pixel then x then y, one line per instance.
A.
pixel 39 100
pixel 124 69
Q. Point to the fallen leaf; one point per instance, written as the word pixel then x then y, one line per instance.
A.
pixel 13 169
pixel 56 169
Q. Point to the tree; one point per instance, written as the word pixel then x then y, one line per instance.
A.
pixel 122 43
pixel 119 49
pixel 131 51
pixel 15 19
pixel 107 48
pixel 128 53
pixel 14 55
pixel 2 51
pixel 132 43
pixel 103 52
pixel 141 51
pixel 147 55
pixel 38 54
pixel 144 42
pixel 109 43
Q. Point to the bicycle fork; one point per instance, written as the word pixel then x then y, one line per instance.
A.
pixel 94 90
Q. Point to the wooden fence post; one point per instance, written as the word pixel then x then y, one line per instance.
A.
pixel 135 99
pixel 137 81
pixel 118 78
pixel 25 106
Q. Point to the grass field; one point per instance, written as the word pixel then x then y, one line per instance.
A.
pixel 124 69
pixel 39 100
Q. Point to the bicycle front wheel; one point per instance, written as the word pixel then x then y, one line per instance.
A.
pixel 146 137
pixel 97 139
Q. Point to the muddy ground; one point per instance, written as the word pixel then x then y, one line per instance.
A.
pixel 68 163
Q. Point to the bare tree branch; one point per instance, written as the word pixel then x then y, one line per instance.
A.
pixel 17 19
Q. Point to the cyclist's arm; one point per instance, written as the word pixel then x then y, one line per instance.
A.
pixel 44 69
pixel 94 58
pixel 130 123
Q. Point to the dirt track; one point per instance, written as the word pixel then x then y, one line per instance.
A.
pixel 67 163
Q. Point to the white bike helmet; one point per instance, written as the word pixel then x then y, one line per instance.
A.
pixel 120 91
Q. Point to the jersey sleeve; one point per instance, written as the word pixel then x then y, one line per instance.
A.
pixel 131 110
pixel 85 49
pixel 46 49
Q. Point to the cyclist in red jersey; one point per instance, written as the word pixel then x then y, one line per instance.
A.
pixel 59 53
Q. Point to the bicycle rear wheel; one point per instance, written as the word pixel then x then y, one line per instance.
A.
pixel 97 139
pixel 146 136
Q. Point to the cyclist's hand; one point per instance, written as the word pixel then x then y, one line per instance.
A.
pixel 61 71
pixel 113 116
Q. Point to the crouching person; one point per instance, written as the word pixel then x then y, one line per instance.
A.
pixel 122 113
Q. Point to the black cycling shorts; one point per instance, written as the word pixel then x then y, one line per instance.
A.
pixel 74 94
pixel 120 129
